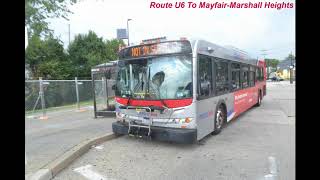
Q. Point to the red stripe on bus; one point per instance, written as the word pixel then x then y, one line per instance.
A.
pixel 170 103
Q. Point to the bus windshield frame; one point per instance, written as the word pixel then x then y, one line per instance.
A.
pixel 155 77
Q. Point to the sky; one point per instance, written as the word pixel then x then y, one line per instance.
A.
pixel 251 30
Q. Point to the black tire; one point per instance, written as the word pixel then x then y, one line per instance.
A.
pixel 259 99
pixel 219 119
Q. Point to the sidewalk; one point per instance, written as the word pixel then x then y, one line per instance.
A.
pixel 48 139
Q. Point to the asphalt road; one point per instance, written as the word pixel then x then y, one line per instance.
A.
pixel 48 139
pixel 244 149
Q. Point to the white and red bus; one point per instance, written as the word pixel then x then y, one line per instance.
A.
pixel 183 90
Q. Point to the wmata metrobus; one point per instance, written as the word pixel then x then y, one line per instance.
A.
pixel 183 90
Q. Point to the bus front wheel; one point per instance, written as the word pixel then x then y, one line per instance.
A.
pixel 220 118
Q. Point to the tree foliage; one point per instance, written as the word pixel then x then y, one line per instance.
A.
pixel 290 57
pixel 112 47
pixel 89 50
pixel 272 63
pixel 86 51
pixel 47 59
pixel 38 11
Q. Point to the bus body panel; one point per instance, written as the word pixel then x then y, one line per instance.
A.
pixel 205 116
pixel 244 99
pixel 206 110
pixel 160 119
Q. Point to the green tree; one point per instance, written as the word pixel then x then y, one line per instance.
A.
pixel 38 11
pixel 47 59
pixel 112 47
pixel 89 50
pixel 272 63
pixel 290 57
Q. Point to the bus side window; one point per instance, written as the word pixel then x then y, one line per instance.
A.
pixel 235 76
pixel 260 74
pixel 252 76
pixel 222 81
pixel 245 77
pixel 205 76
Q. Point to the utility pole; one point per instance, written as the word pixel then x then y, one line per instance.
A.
pixel 69 32
pixel 264 57
pixel 128 30
pixel 291 68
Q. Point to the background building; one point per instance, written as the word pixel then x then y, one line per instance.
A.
pixel 284 68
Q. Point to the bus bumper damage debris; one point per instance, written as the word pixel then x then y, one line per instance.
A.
pixel 183 136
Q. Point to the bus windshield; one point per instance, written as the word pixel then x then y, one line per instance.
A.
pixel 163 77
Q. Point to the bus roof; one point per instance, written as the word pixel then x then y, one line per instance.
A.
pixel 108 64
pixel 102 68
pixel 207 48
pixel 223 52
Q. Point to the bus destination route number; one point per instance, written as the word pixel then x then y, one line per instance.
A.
pixel 143 50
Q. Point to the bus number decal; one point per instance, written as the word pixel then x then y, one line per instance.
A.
pixel 143 50
pixel 146 50
pixel 135 52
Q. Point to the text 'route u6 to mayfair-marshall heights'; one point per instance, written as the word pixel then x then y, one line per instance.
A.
pixel 222 5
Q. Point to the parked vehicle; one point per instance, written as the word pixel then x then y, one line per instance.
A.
pixel 276 78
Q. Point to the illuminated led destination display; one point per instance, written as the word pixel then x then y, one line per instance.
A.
pixel 170 47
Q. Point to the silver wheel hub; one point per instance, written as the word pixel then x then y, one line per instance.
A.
pixel 219 119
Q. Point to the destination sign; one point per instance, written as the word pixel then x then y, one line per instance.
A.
pixel 169 47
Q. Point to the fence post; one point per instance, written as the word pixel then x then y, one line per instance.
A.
pixel 104 90
pixel 107 94
pixel 41 94
pixel 77 92
pixel 94 95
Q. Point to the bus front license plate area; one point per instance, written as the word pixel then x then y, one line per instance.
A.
pixel 145 120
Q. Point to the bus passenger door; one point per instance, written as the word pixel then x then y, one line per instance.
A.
pixel 205 105
pixel 205 117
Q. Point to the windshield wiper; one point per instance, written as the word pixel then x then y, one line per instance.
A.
pixel 147 90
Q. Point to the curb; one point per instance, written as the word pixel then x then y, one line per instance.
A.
pixel 53 168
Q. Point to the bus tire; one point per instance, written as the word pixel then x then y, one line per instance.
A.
pixel 219 120
pixel 259 99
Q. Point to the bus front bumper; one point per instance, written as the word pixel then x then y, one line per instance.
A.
pixel 184 136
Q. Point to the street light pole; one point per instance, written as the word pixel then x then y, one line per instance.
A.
pixel 128 30
pixel 264 55
pixel 291 68
pixel 69 32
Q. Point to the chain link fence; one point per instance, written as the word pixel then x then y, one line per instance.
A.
pixel 42 96
pixel 104 95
